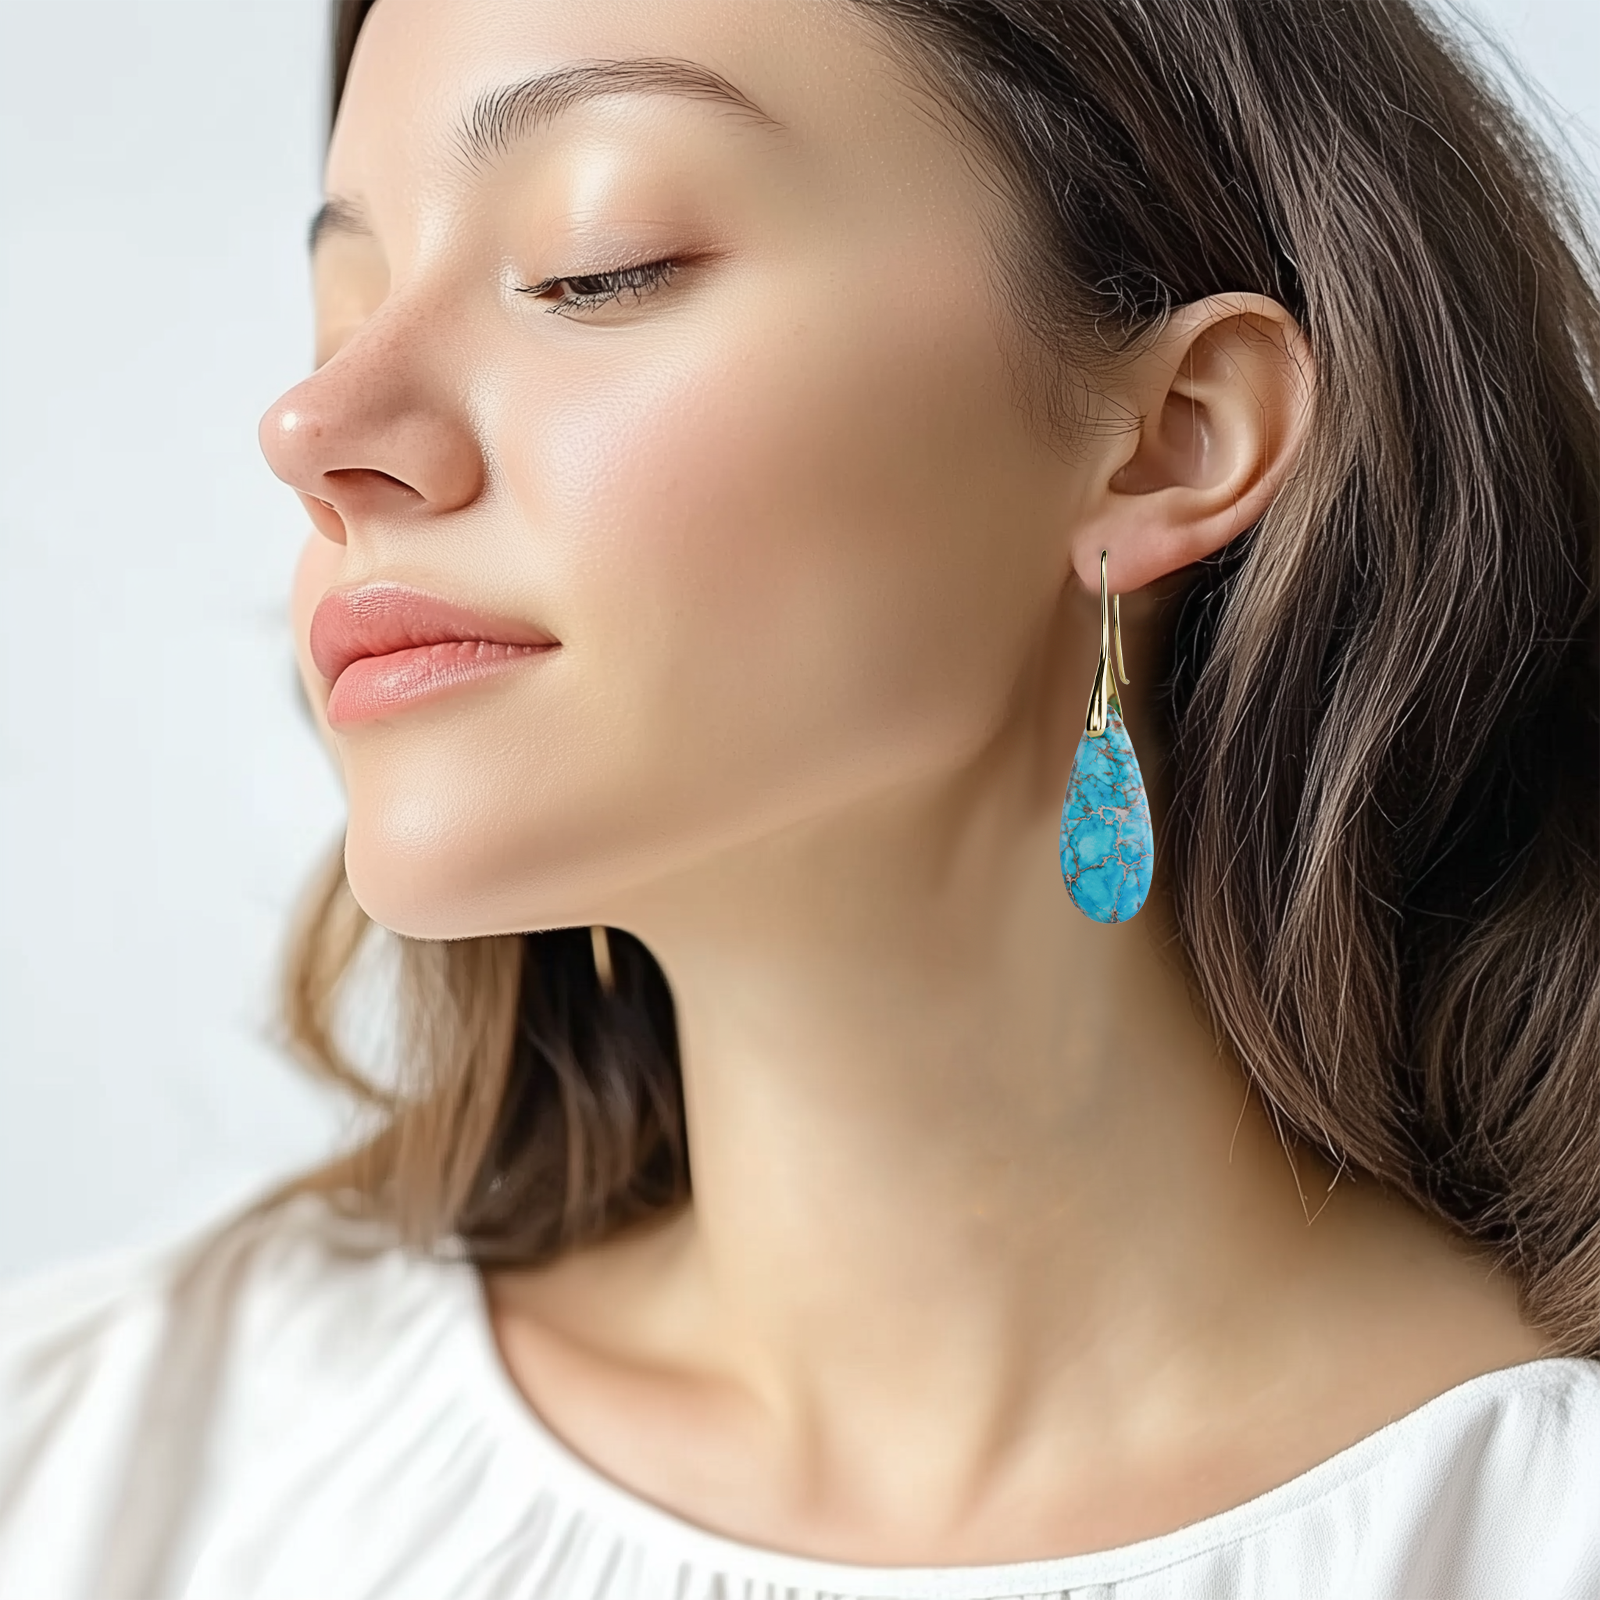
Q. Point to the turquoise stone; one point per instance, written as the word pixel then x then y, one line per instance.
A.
pixel 1107 844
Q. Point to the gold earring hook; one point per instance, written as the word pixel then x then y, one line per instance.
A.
pixel 1104 694
pixel 600 945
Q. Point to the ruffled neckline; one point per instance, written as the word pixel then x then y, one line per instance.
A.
pixel 519 1428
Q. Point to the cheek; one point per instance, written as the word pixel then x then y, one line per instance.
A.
pixel 793 561
pixel 808 557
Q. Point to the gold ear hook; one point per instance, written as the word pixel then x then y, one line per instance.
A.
pixel 1104 694
pixel 600 945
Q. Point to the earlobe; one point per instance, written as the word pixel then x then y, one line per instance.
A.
pixel 1222 397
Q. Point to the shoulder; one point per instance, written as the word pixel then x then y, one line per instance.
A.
pixel 1505 1429
pixel 1489 1489
pixel 291 1264
pixel 1523 1436
pixel 135 1387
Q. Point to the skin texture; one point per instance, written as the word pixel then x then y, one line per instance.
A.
pixel 991 1256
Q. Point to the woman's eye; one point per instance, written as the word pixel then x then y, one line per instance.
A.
pixel 589 290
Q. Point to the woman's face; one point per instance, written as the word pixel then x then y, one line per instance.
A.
pixel 750 536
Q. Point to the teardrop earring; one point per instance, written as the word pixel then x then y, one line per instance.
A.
pixel 1107 843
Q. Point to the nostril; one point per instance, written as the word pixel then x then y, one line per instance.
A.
pixel 367 480
pixel 325 517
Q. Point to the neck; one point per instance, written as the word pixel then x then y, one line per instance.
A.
pixel 929 1103
pixel 988 1240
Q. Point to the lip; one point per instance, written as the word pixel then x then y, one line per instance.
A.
pixel 386 646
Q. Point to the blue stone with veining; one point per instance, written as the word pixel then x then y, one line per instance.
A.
pixel 1107 843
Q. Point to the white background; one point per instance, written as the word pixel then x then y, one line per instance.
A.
pixel 161 796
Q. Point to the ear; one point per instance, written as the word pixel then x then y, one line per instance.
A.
pixel 1221 400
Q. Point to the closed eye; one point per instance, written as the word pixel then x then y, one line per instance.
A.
pixel 589 290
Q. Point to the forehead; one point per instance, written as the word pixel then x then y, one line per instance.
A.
pixel 817 69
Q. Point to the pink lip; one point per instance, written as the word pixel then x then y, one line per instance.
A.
pixel 384 647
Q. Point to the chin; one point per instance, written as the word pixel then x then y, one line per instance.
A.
pixel 441 888
pixel 428 873
pixel 413 895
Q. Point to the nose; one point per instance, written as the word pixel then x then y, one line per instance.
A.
pixel 375 434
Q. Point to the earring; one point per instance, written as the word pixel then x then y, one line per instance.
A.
pixel 600 944
pixel 1107 843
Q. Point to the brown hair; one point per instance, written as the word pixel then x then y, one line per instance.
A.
pixel 1384 700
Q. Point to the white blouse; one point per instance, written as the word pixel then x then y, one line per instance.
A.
pixel 288 1406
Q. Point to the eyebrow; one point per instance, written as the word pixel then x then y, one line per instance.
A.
pixel 504 116
pixel 338 216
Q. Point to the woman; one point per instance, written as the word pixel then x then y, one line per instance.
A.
pixel 731 428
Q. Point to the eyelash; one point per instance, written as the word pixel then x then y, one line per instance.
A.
pixel 603 287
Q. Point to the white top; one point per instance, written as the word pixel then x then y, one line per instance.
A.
pixel 289 1407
